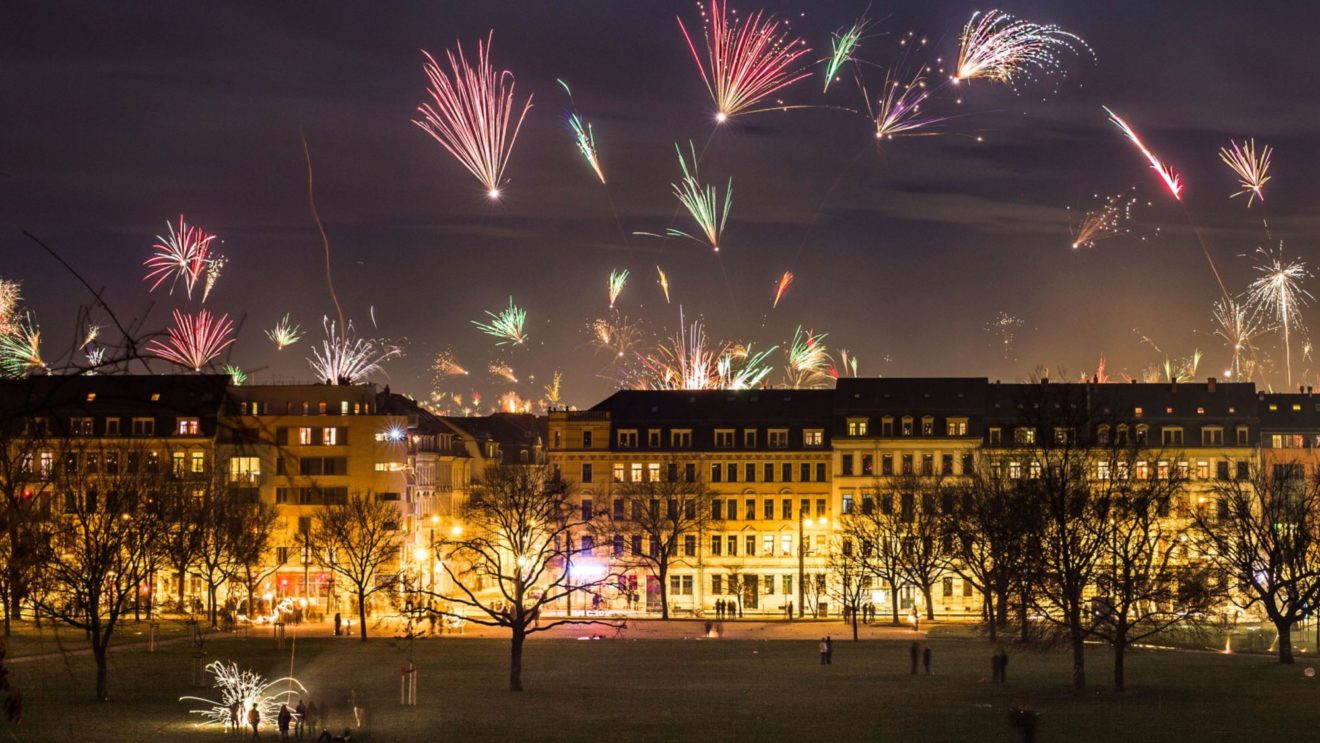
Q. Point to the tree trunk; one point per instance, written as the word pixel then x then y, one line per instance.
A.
pixel 988 602
pixel 1023 619
pixel 1120 654
pixel 362 614
pixel 663 574
pixel 930 604
pixel 102 671
pixel 893 604
pixel 183 580
pixel 1078 654
pixel 1285 641
pixel 211 590
pixel 515 659
pixel 854 623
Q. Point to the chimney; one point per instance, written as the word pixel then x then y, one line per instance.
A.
pixel 1210 384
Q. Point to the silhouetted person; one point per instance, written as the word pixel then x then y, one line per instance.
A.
pixel 299 719
pixel 913 652
pixel 994 667
pixel 829 650
pixel 925 659
pixel 254 719
pixel 339 623
pixel 1003 666
pixel 824 650
pixel 283 720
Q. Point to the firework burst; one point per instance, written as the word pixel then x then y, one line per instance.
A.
pixel 552 391
pixel 1171 179
pixel 507 325
pixel 843 45
pixel 614 334
pixel 583 135
pixel 664 282
pixel 809 362
pixel 473 117
pixel 1003 328
pixel 213 268
pixel 237 376
pixel 1110 218
pixel 998 47
pixel 247 689
pixel 898 111
pixel 445 365
pixel 195 340
pixel 1238 326
pixel 182 256
pixel 1252 167
pixel 20 349
pixel 689 361
pixel 616 283
pixel 502 371
pixel 1278 296
pixel 285 333
pixel 702 202
pixel 745 61
pixel 347 359
pixel 11 295
pixel 784 281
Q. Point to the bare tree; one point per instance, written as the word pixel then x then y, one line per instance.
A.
pixel 213 559
pixel 26 485
pixel 657 514
pixel 1265 534
pixel 924 554
pixel 849 578
pixel 102 547
pixel 357 540
pixel 1144 586
pixel 512 560
pixel 181 542
pixel 877 531
pixel 253 530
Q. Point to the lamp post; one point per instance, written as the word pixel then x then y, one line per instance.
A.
pixel 434 520
pixel 803 522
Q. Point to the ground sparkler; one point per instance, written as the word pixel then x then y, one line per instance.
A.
pixel 246 689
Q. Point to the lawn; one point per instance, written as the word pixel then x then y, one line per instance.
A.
pixel 693 690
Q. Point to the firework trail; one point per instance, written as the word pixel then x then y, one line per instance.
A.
pixel 11 295
pixel 1004 328
pixel 1171 179
pixel 502 371
pixel 784 281
pixel 998 47
pixel 702 202
pixel 664 282
pixel 195 340
pixel 247 689
pixel 1252 167
pixel 20 349
pixel 689 361
pixel 616 283
pixel 183 255
pixel 1238 326
pixel 446 366
pixel 745 62
pixel 1278 296
pixel 285 333
pixel 95 359
pixel 1110 219
pixel 615 334
pixel 213 268
pixel 1184 370
pixel 809 361
pixel 507 325
pixel 472 114
pixel 344 358
pixel 843 45
pixel 552 391
pixel 583 135
pixel 237 376
pixel 847 362
pixel 897 112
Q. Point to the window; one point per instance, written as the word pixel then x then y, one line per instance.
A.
pixel 995 435
pixel 653 472
pixel 768 472
pixel 768 549
pixel 724 438
pixel 1202 469
pixel 586 439
pixel 749 438
pixel 586 472
pixel 907 464
pixel 856 426
pixel 956 427
pixel 586 515
pixel 1221 469
pixel 786 472
pixel 907 425
pixel 1243 471
pixel 1023 435
pixel 1171 436
pixel 144 426
pixel 820 472
pixel 804 472
pixel 245 469
pixel 628 439
pixel 968 464
pixel 886 427
pixel 111 426
pixel 1242 436
pixel 732 544
pixel 868 464
pixel 717 509
pixel 786 509
pixel 731 469
pixel 305 436
pixel 750 543
pixel 716 547
pixel 847 464
pixel 653 438
pixel 946 586
pixel 813 437
pixel 927 426
pixel 1102 470
pixel 332 437
pixel 1064 435
pixel 785 544
pixel 749 472
pixel 689 472
pixel 1014 470
pixel 927 464
pixel 689 545
pixel 749 508
pixel 197 462
pixel 1212 436
pixel 680 585
pixel 680 439
pixel 618 472
pixel 847 502
pixel 81 426
pixel 768 508
pixel 887 464
pixel 820 508
pixel 635 472
pixel 1137 412
pixel 946 464
pixel 188 427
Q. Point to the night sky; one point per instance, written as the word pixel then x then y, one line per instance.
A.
pixel 117 117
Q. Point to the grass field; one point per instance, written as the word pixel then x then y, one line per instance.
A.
pixel 692 690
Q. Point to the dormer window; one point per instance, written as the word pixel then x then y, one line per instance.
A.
pixel 724 438
pixel 907 425
pixel 856 426
pixel 927 426
pixel 778 438
pixel 188 427
pixel 628 438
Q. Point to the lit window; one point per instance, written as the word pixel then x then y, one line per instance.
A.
pixel 813 437
pixel 245 469
pixel 304 436
pixel 330 436
pixel 188 427
pixel 857 427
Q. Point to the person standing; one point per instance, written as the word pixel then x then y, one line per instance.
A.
pixel 913 652
pixel 1003 666
pixel 254 719
pixel 719 608
pixel 283 720
pixel 994 667
pixel 824 651
pixel 339 623
pixel 299 719
pixel 235 710
pixel 925 659
pixel 788 609
pixel 829 650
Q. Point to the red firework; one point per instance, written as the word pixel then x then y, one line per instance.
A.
pixel 195 340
